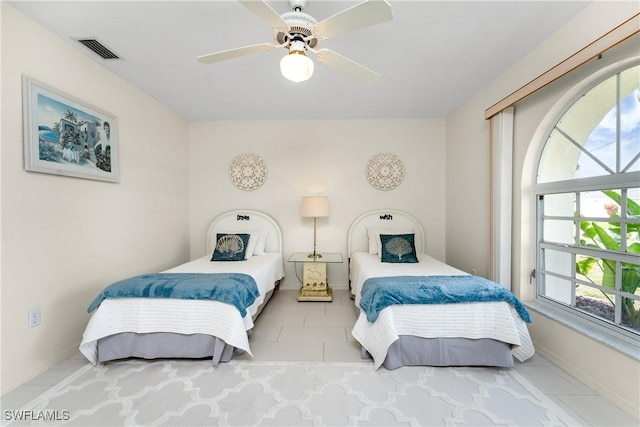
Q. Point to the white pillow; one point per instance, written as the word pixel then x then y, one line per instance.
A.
pixel 261 241
pixel 375 246
pixel 251 245
pixel 371 234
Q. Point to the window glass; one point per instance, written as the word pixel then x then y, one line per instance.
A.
pixel 596 302
pixel 560 204
pixel 597 135
pixel 630 120
pixel 556 265
pixel 558 231
pixel 633 226
pixel 589 248
pixel 598 156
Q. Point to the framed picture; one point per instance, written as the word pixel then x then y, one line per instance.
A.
pixel 65 136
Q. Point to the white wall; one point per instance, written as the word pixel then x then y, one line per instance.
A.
pixel 63 239
pixel 318 157
pixel 467 174
pixel 467 178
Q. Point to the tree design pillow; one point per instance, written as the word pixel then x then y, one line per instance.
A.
pixel 230 247
pixel 398 248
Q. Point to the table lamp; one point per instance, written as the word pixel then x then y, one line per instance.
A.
pixel 314 207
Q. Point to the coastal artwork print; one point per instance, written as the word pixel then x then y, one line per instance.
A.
pixel 65 136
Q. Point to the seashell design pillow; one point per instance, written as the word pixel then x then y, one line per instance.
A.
pixel 230 247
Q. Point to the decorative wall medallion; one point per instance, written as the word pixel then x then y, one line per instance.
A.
pixel 385 171
pixel 248 171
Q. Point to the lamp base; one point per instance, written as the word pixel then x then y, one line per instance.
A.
pixel 315 295
pixel 314 255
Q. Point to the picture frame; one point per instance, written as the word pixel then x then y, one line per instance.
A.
pixel 66 136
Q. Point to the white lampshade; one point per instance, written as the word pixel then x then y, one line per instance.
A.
pixel 314 207
pixel 296 66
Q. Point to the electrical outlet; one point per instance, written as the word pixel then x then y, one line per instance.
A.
pixel 34 317
pixel 473 271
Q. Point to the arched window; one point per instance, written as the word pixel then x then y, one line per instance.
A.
pixel 588 205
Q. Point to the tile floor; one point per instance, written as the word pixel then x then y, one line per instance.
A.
pixel 316 331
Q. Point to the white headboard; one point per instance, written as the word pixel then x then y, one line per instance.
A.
pixel 357 238
pixel 245 221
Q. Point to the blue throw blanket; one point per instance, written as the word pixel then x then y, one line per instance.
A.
pixel 380 292
pixel 237 289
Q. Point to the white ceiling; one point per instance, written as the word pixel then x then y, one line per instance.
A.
pixel 432 56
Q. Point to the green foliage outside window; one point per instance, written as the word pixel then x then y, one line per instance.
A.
pixel 608 236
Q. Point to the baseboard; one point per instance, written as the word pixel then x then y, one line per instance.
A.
pixel 605 391
pixel 34 371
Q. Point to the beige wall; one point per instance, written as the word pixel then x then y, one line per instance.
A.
pixel 319 157
pixel 468 174
pixel 64 238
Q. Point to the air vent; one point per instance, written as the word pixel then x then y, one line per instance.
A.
pixel 98 48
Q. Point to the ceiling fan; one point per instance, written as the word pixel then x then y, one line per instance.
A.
pixel 299 32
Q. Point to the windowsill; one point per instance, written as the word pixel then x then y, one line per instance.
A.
pixel 606 336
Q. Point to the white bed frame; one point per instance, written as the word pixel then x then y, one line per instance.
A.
pixel 409 349
pixel 199 345
pixel 357 238
pixel 245 220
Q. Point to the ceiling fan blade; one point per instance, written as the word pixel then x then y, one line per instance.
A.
pixel 234 53
pixel 265 12
pixel 347 66
pixel 365 14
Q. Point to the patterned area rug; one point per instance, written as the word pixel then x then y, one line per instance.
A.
pixel 243 393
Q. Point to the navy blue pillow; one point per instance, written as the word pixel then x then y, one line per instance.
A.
pixel 230 247
pixel 398 248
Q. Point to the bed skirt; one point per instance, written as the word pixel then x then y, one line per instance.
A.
pixel 410 350
pixel 162 345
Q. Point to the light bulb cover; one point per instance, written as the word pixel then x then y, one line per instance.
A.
pixel 296 66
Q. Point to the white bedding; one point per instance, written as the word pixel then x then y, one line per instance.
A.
pixel 147 315
pixel 496 320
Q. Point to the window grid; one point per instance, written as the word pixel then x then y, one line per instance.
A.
pixel 600 260
pixel 575 250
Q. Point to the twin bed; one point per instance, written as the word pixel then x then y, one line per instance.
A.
pixel 449 330
pixel 386 250
pixel 161 327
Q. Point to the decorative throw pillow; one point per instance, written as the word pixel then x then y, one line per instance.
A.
pixel 230 247
pixel 373 234
pixel 398 248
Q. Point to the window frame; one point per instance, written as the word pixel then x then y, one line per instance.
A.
pixel 587 323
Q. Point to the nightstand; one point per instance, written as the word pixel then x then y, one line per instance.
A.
pixel 314 276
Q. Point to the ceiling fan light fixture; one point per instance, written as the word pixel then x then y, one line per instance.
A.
pixel 300 32
pixel 296 66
